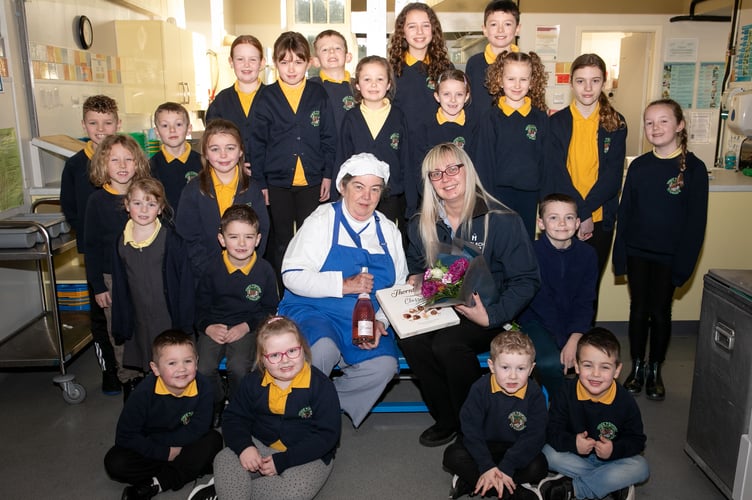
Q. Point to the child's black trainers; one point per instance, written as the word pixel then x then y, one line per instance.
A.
pixel 204 492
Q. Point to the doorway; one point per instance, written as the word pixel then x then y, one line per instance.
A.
pixel 629 57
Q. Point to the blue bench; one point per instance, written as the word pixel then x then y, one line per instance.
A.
pixel 406 406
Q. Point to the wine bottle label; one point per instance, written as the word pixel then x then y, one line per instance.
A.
pixel 365 328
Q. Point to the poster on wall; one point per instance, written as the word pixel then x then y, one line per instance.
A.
pixel 709 84
pixel 681 50
pixel 679 83
pixel 547 42
pixel 742 68
pixel 11 178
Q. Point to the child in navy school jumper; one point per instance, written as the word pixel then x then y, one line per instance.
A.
pixel 595 435
pixel 175 164
pixel 118 162
pixel 152 282
pixel 235 293
pixel 564 306
pixel 509 151
pixel 662 218
pixel 234 103
pixel 220 183
pixel 294 142
pixel 501 26
pixel 418 55
pixel 503 426
pixel 331 55
pixel 99 120
pixel 376 126
pixel 164 438
pixel 283 426
pixel 451 123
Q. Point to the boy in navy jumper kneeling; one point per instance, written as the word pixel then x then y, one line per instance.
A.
pixel 164 437
pixel 237 291
pixel 503 426
pixel 595 434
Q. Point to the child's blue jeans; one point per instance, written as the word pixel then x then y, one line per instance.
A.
pixel 596 478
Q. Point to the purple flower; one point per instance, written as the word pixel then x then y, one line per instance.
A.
pixel 429 289
pixel 458 269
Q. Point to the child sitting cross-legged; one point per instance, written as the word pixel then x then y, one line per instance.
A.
pixel 164 437
pixel 595 435
pixel 503 426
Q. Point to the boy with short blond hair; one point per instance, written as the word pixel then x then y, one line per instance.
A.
pixel 503 425
pixel 564 306
pixel 331 56
pixel 164 438
pixel 176 162
pixel 100 120
pixel 237 291
pixel 501 25
pixel 595 433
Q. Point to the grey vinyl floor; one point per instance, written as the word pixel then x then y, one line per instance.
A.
pixel 52 450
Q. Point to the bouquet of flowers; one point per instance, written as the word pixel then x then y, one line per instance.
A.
pixel 442 282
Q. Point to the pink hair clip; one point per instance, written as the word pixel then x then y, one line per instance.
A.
pixel 273 319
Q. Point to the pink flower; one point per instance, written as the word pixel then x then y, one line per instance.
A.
pixel 429 288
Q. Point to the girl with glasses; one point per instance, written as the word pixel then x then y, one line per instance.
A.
pixel 457 212
pixel 282 426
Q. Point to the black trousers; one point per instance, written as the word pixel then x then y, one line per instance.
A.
pixel 458 460
pixel 288 208
pixel 446 365
pixel 393 207
pixel 194 460
pixel 651 293
pixel 601 241
pixel 102 345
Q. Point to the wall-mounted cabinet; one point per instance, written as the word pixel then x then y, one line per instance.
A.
pixel 157 64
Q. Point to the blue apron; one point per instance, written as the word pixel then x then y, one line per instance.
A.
pixel 331 316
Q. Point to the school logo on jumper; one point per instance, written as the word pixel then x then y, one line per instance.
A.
pixel 190 175
pixel 430 83
pixel 315 118
pixel 459 142
pixel 607 430
pixel 186 418
pixel 348 103
pixel 253 292
pixel 606 144
pixel 531 131
pixel 394 140
pixel 673 186
pixel 517 420
pixel 306 412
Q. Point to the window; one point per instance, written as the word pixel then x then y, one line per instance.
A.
pixel 320 11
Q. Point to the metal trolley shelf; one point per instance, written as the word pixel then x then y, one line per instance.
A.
pixel 53 337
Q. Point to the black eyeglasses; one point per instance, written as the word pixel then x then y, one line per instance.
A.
pixel 291 353
pixel 450 170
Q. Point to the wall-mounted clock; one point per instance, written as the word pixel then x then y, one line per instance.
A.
pixel 85 32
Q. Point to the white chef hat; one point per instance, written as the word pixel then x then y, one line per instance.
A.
pixel 363 164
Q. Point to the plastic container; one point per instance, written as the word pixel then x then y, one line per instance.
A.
pixel 729 160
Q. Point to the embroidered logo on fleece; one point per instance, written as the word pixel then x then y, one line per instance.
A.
pixel 186 418
pixel 430 83
pixel 394 141
pixel 315 118
pixel 253 292
pixel 606 144
pixel 531 131
pixel 306 412
pixel 607 430
pixel 348 103
pixel 517 420
pixel 672 186
pixel 459 142
pixel 190 175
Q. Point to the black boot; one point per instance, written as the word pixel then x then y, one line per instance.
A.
pixel 636 378
pixel 654 388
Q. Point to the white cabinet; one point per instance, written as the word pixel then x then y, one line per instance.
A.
pixel 156 61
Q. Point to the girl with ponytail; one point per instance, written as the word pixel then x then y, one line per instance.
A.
pixel 662 217
pixel 585 155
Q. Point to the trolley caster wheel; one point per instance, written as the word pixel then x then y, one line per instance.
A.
pixel 73 393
